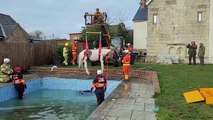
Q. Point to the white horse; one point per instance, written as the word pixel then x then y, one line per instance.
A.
pixel 93 55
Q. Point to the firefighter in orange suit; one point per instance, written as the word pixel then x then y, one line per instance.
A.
pixel 100 85
pixel 126 64
pixel 129 47
pixel 74 52
pixel 19 82
pixel 132 56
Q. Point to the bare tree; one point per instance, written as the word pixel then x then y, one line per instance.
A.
pixel 117 18
pixel 37 35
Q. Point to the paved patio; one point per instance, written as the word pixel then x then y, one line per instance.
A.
pixel 132 100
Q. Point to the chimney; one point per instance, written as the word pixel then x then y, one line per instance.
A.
pixel 143 3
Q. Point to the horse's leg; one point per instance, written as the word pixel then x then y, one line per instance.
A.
pixel 102 62
pixel 80 60
pixel 85 65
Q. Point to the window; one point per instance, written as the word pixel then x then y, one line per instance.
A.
pixel 199 16
pixel 154 18
pixel 76 38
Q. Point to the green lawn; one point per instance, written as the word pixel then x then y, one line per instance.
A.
pixel 176 79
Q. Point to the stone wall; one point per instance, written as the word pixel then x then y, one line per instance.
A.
pixel 177 25
pixel 210 33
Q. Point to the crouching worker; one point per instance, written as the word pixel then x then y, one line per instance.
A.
pixel 100 85
pixel 19 82
pixel 6 71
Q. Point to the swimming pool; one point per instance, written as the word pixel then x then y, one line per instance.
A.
pixel 51 98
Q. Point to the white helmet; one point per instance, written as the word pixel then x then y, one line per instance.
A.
pixel 128 44
pixel 126 51
pixel 6 60
pixel 99 72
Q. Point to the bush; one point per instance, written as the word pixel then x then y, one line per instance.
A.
pixel 58 56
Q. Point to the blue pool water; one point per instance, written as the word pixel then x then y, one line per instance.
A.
pixel 51 99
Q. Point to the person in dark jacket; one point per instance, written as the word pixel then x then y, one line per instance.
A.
pixel 100 85
pixel 201 53
pixel 192 52
pixel 19 82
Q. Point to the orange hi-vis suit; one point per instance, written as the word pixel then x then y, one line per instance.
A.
pixel 126 65
pixel 73 53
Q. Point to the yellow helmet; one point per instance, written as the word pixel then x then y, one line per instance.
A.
pixel 66 44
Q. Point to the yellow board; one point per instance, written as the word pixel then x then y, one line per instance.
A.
pixel 206 92
pixel 193 96
pixel 209 100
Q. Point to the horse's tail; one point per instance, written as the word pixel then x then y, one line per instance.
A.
pixel 80 59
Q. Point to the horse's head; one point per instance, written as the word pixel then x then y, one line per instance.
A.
pixel 113 55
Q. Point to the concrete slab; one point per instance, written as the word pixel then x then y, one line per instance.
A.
pixel 125 101
pixel 121 118
pixel 138 107
pixel 149 107
pixel 138 115
pixel 111 118
pixel 145 100
pixel 120 113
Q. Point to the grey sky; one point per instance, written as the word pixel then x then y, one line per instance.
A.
pixel 61 17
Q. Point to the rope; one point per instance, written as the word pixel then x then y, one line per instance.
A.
pixel 100 46
pixel 87 49
pixel 107 72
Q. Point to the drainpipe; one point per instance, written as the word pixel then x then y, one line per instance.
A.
pixel 211 33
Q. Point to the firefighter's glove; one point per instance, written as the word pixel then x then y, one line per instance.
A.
pixel 91 90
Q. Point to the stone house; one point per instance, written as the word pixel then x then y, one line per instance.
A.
pixel 11 31
pixel 172 24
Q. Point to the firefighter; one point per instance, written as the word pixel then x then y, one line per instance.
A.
pixel 129 47
pixel 74 52
pixel 19 82
pixel 65 53
pixel 132 56
pixel 98 17
pixel 126 64
pixel 100 85
pixel 6 71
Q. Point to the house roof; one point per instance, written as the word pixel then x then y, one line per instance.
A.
pixel 7 20
pixel 142 14
pixel 7 25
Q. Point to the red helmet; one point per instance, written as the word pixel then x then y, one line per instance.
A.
pixel 17 69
